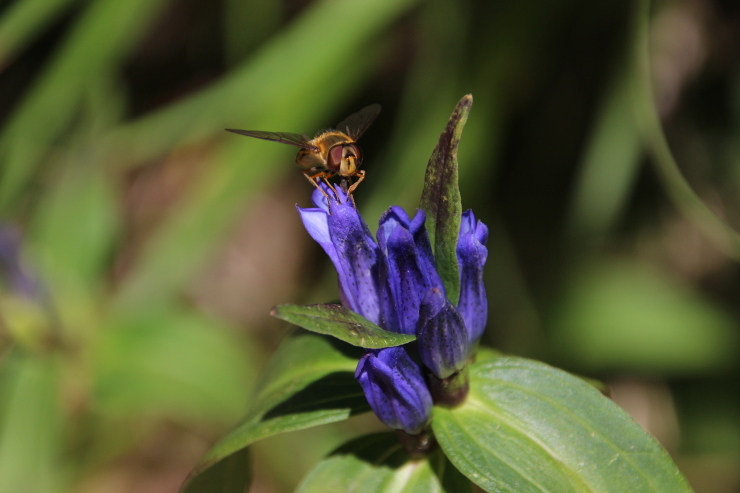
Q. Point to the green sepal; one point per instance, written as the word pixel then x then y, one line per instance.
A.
pixel 440 199
pixel 529 427
pixel 378 463
pixel 309 382
pixel 337 321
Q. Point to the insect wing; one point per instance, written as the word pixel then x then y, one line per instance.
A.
pixel 356 124
pixel 282 137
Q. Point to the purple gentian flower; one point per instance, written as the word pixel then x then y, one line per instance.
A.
pixel 394 283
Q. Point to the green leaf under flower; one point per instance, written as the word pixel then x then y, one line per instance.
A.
pixel 337 321
pixel 528 427
pixel 309 382
pixel 231 474
pixel 378 463
pixel 440 199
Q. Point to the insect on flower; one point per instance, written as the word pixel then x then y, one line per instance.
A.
pixel 332 152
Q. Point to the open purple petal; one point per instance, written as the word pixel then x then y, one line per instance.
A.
pixel 316 222
pixel 357 260
pixel 345 237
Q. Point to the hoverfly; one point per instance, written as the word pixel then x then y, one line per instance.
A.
pixel 332 152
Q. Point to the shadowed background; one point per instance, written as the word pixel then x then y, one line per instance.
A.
pixel 142 246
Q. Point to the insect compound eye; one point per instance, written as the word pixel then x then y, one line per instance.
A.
pixel 353 150
pixel 334 159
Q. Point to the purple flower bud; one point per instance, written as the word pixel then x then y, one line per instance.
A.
pixel 395 389
pixel 408 265
pixel 441 336
pixel 471 256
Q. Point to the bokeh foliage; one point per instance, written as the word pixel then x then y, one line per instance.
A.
pixel 607 254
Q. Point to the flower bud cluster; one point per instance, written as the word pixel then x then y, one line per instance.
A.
pixel 394 283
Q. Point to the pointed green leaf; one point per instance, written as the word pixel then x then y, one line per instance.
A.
pixel 309 382
pixel 377 463
pixel 441 199
pixel 528 427
pixel 337 321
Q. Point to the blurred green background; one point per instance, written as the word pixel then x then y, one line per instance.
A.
pixel 142 246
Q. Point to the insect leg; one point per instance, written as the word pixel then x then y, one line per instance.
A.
pixel 361 174
pixel 314 179
pixel 326 176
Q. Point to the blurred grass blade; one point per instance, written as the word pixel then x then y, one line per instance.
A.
pixel 172 362
pixel 263 94
pixel 30 425
pixel 377 463
pixel 339 322
pixel 177 251
pixel 610 163
pixel 677 188
pixel 246 24
pixel 529 427
pixel 432 82
pixel 612 315
pixel 21 21
pixel 267 92
pixel 104 33
pixel 74 229
pixel 440 199
pixel 309 382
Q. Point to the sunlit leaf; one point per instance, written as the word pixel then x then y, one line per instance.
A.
pixel 339 322
pixel 528 427
pixel 309 382
pixel 377 463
